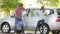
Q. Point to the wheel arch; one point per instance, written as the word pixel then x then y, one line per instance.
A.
pixel 47 25
pixel 4 23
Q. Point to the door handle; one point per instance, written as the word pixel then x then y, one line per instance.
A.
pixel 23 18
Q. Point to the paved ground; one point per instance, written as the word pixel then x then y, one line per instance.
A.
pixel 27 32
pixel 17 33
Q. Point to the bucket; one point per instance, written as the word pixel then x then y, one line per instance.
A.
pixel 20 23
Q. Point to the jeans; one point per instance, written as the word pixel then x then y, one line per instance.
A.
pixel 15 28
pixel 38 25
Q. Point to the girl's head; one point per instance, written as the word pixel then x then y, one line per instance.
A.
pixel 42 8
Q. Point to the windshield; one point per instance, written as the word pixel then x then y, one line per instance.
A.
pixel 58 11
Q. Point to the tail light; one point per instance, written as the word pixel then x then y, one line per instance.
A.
pixel 58 19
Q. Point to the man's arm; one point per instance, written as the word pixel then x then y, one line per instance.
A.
pixel 26 11
pixel 16 12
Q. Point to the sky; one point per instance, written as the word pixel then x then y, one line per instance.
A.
pixel 30 3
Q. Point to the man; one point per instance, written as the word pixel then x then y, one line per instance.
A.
pixel 18 16
pixel 18 12
pixel 42 15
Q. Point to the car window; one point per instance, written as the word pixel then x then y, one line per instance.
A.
pixel 34 12
pixel 49 11
pixel 58 11
pixel 24 13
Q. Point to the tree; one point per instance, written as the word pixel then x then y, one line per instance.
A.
pixel 52 3
pixel 9 5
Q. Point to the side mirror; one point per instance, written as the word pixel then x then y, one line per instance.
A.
pixel 13 16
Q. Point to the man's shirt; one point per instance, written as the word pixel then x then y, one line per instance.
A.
pixel 18 12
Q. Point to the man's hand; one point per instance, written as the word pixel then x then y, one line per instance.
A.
pixel 27 12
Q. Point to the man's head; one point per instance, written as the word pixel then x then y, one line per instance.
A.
pixel 21 4
pixel 42 8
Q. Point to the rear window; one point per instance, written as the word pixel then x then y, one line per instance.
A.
pixel 58 11
pixel 49 11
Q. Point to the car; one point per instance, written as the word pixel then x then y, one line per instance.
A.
pixel 52 21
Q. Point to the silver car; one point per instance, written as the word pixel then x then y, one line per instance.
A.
pixel 52 21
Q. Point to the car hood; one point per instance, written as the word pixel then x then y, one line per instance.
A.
pixel 4 18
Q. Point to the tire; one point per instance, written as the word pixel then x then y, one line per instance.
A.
pixel 46 29
pixel 5 28
pixel 55 32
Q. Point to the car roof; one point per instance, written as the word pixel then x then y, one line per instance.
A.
pixel 45 8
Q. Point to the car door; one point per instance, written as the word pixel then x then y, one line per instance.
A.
pixel 11 20
pixel 32 19
pixel 51 18
pixel 24 18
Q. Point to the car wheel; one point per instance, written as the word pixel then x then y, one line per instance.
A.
pixel 45 29
pixel 55 32
pixel 5 28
